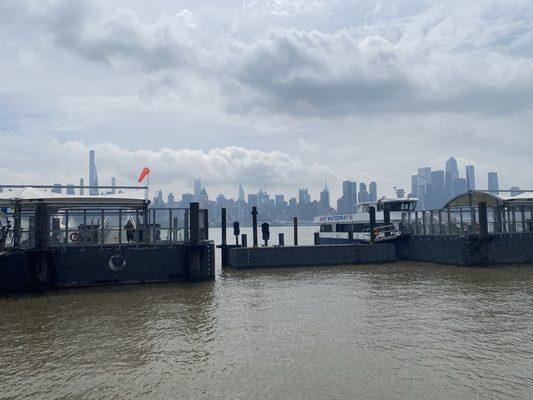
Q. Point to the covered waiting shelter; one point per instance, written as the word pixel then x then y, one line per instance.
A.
pixel 474 197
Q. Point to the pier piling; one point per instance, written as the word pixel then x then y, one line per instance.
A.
pixel 244 240
pixel 295 223
pixel 281 237
pixel 254 225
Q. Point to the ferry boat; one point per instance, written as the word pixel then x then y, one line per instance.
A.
pixel 355 228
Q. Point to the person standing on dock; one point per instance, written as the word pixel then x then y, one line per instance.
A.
pixel 130 231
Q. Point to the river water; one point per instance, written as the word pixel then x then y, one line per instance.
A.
pixel 402 331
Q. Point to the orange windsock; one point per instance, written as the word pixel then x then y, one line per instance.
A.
pixel 143 174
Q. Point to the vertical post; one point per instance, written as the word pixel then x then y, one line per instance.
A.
pixel 350 237
pixel 416 222
pixel 497 220
pixel 193 267
pixel 206 224
pixel 17 216
pixel 244 240
pixel 170 225
pixel 431 222
pixel 194 213
pixel 449 218
pixel 120 226
pixel 410 231
pixel 186 232
pixel 462 224
pixel 523 218
pixel 42 226
pixel 254 225
pixel 317 238
pixel 504 220
pixel 102 228
pixel 440 222
pixel 483 233
pixel 84 226
pixel 295 230
pixel 513 219
pixel 386 219
pixel 223 225
pixel 281 237
pixel 473 219
pixel 424 222
pixel 372 215
pixel 153 226
pixel 66 227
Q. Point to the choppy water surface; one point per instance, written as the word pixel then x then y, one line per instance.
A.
pixel 403 331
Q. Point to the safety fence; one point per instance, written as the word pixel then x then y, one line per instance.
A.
pixel 105 226
pixel 465 220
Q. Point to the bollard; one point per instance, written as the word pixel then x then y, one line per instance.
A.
pixel 295 223
pixel 317 238
pixel 265 230
pixel 193 267
pixel 236 232
pixel 281 237
pixel 244 240
pixel 254 225
pixel 372 212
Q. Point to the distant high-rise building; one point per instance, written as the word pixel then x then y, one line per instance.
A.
pixel 56 188
pixel 515 191
pixel 241 193
pixel 186 199
pixel 471 177
pixel 303 196
pixel 373 192
pixel 82 184
pixel 252 200
pixel 437 189
pixel 280 200
pixel 70 190
pixel 493 185
pixel 451 173
pixel 324 198
pixel 171 200
pixel 414 185
pixel 113 185
pixel 459 186
pixel 197 189
pixel 363 193
pixel 93 173
pixel 346 204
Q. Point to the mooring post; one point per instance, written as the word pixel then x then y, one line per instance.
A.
pixel 17 226
pixel 244 240
pixel 193 268
pixel 372 212
pixel 281 237
pixel 146 223
pixel 483 233
pixel 42 226
pixel 295 226
pixel 223 247
pixel 254 225
pixel 317 238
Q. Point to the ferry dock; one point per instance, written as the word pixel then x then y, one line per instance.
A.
pixel 51 240
pixel 474 229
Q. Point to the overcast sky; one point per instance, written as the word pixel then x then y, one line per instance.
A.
pixel 270 93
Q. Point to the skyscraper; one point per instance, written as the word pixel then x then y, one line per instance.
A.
pixel 363 193
pixel 241 193
pixel 346 204
pixel 451 173
pixel 324 198
pixel 197 189
pixel 70 190
pixel 493 185
pixel 82 189
pixel 459 186
pixel 93 173
pixel 303 196
pixel 471 177
pixel 373 192
pixel 437 189
pixel 414 185
pixel 113 185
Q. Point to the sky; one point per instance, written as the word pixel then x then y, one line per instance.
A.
pixel 274 94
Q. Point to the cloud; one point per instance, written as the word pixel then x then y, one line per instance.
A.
pixel 66 162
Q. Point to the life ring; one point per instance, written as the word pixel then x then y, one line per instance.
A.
pixel 74 237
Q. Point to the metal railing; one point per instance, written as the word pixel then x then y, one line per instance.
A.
pixel 465 221
pixel 84 227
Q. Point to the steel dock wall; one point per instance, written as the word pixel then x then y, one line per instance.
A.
pixel 293 256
